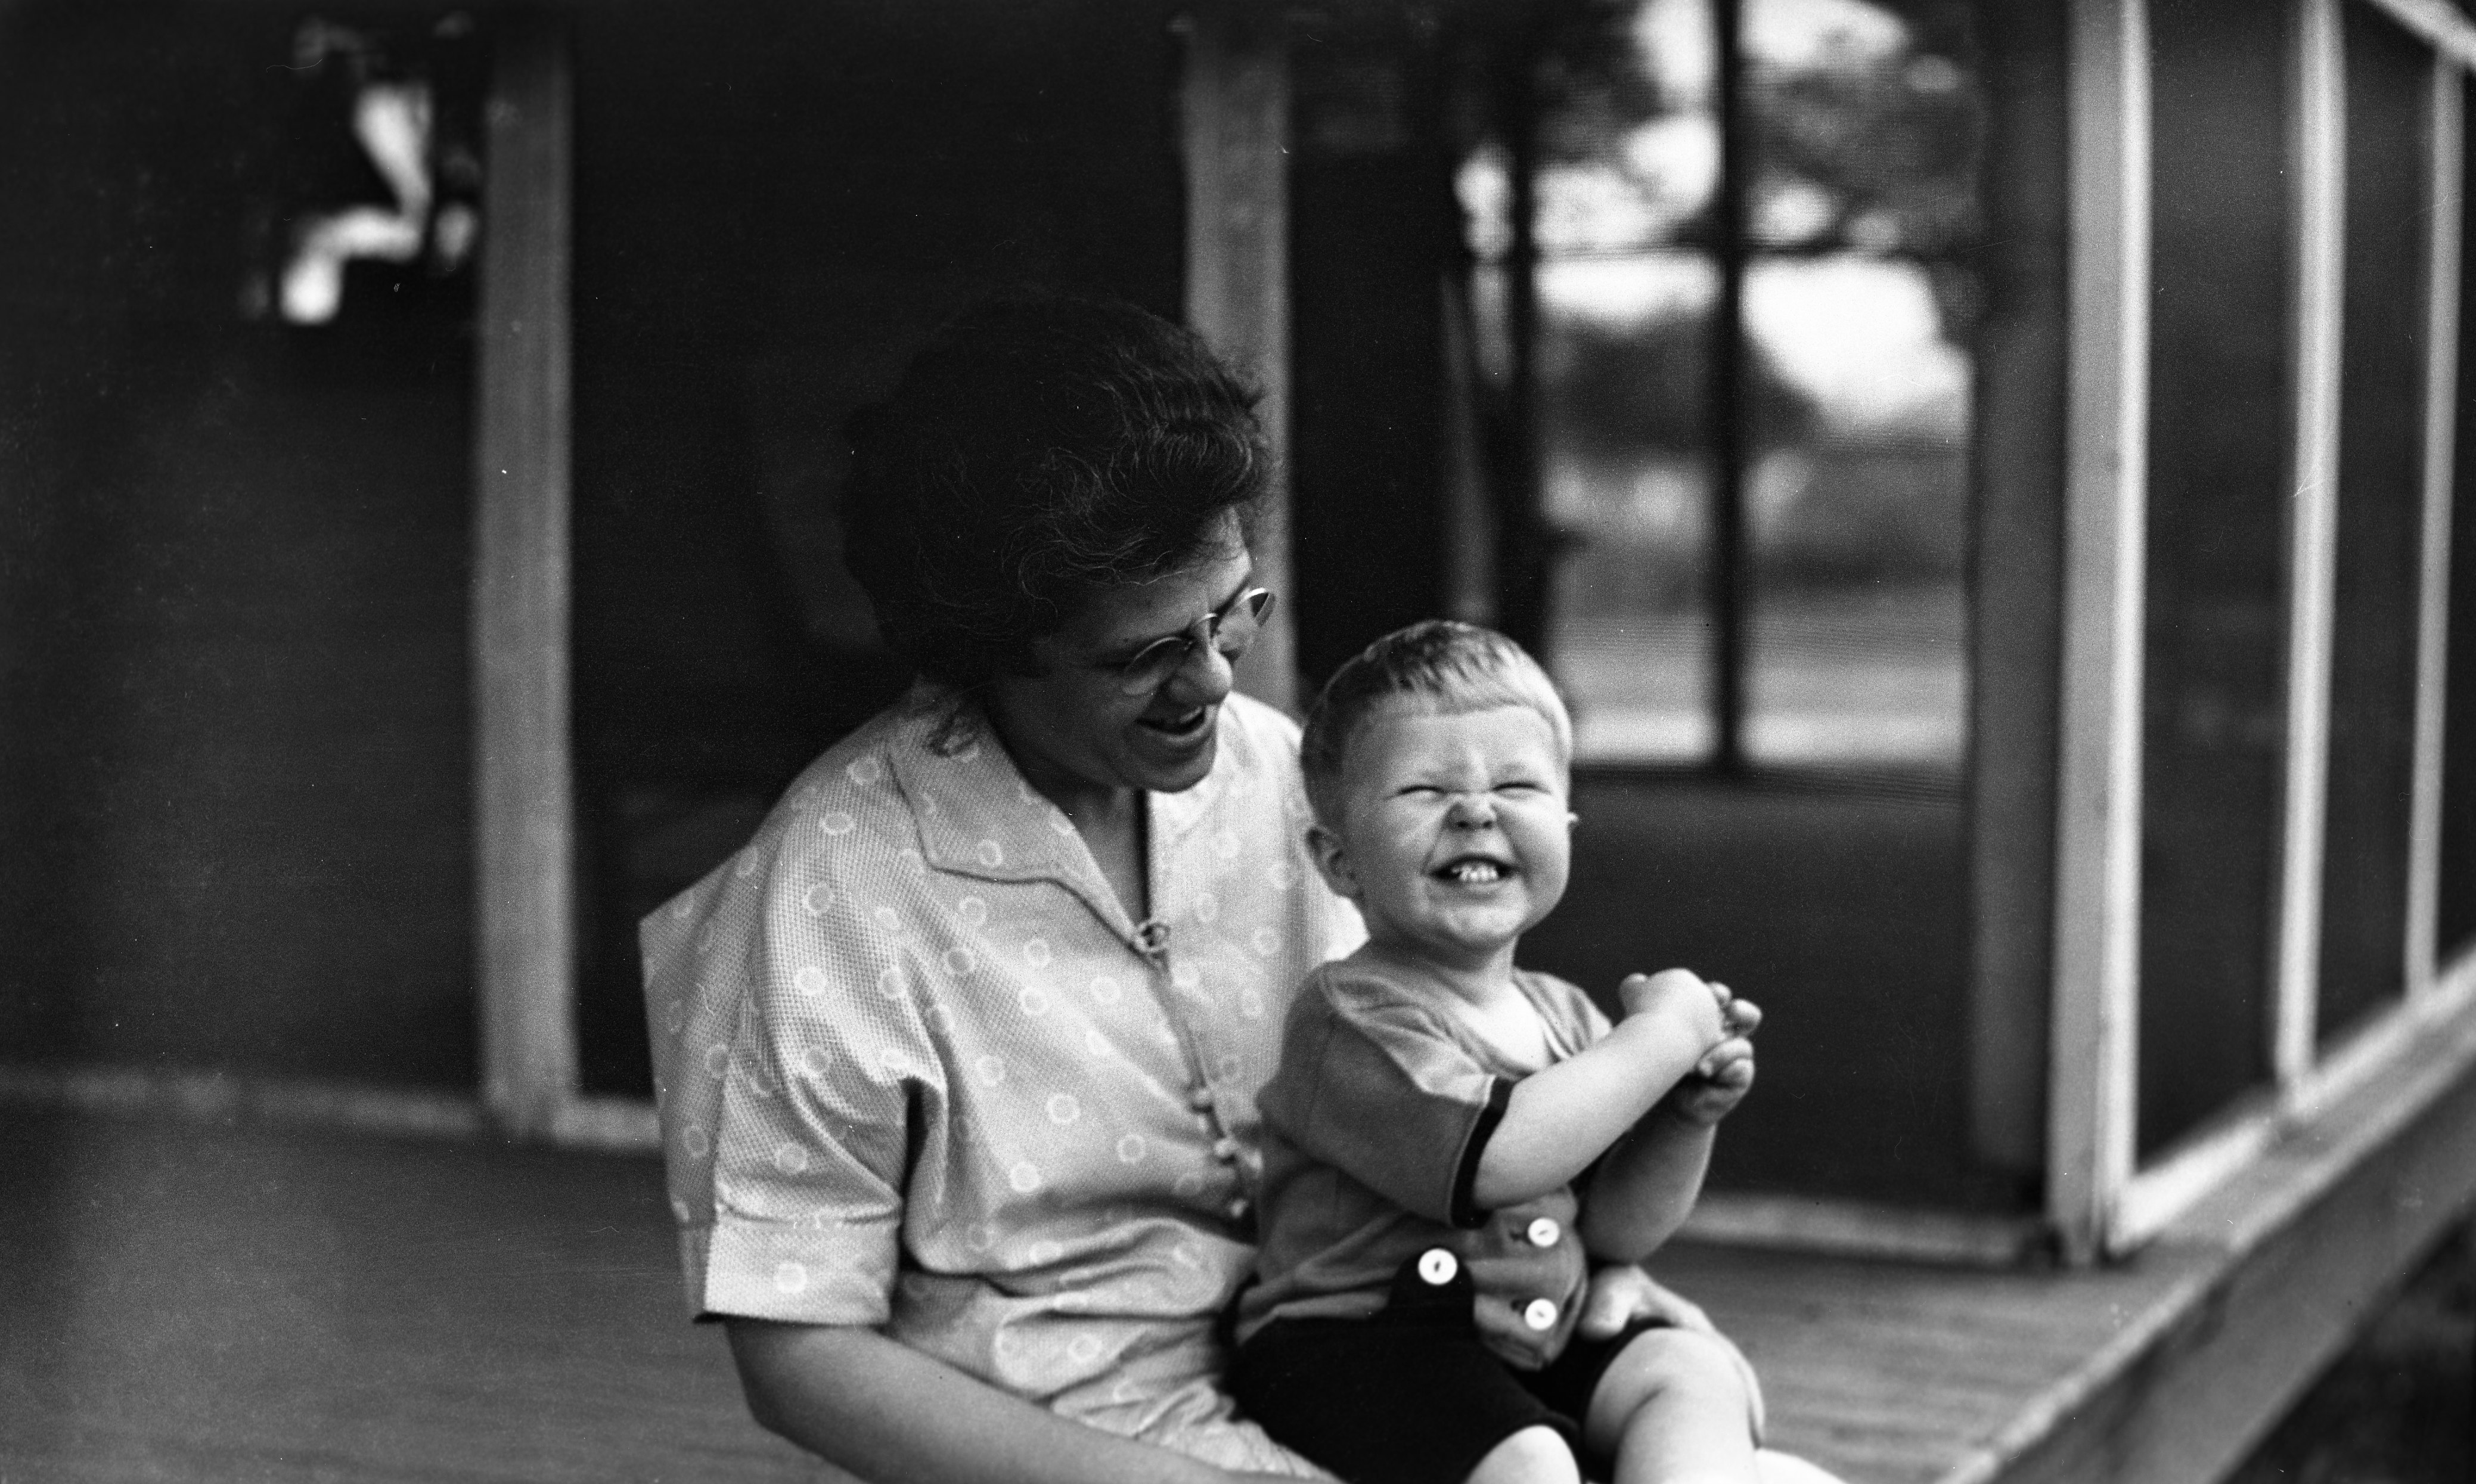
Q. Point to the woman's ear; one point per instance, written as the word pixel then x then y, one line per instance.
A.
pixel 1333 862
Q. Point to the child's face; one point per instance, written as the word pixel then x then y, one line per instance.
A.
pixel 1453 837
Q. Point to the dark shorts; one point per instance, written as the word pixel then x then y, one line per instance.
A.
pixel 1410 1395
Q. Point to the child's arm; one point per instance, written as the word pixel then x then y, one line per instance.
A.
pixel 1647 1184
pixel 1558 1119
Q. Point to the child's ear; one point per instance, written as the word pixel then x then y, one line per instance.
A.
pixel 1333 862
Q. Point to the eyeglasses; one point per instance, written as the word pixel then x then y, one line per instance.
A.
pixel 1233 631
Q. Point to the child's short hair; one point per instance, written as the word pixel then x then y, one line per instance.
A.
pixel 1444 667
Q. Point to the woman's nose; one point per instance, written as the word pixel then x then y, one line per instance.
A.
pixel 1203 676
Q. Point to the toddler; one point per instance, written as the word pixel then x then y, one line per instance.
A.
pixel 1450 1140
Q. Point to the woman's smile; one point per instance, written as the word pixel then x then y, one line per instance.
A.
pixel 1183 726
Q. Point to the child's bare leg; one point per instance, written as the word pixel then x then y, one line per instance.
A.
pixel 1672 1409
pixel 1534 1455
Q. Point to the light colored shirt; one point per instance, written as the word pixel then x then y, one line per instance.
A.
pixel 1374 1127
pixel 917 1070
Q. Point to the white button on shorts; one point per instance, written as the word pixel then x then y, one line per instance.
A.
pixel 1544 1232
pixel 1539 1315
pixel 1437 1267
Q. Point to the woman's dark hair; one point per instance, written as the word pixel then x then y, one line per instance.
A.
pixel 1042 448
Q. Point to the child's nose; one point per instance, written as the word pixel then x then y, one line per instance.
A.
pixel 1470 812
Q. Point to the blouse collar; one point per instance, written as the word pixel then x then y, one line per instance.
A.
pixel 979 817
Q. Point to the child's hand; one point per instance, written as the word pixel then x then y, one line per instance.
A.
pixel 1721 1080
pixel 1742 1017
pixel 1698 1007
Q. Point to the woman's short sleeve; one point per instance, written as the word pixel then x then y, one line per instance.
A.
pixel 790 1091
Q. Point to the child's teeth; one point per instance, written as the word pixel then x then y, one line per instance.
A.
pixel 1475 871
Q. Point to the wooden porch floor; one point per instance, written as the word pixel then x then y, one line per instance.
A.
pixel 189 1302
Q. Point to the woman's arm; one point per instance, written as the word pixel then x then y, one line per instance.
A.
pixel 1558 1119
pixel 891 1415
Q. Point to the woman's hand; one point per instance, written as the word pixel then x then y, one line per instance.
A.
pixel 1621 1294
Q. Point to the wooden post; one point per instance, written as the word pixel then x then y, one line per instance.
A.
pixel 2441 433
pixel 2097 888
pixel 2320 288
pixel 524 808
pixel 2016 587
pixel 1236 109
pixel 1728 571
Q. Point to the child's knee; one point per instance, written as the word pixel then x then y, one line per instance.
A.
pixel 1534 1455
pixel 1686 1366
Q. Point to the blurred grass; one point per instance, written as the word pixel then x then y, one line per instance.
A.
pixel 2399 1406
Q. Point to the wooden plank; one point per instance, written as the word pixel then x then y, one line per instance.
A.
pixel 1236 109
pixel 2433 602
pixel 221 1098
pixel 2294 1253
pixel 194 1302
pixel 2312 531
pixel 2016 590
pixel 524 810
pixel 2097 888
pixel 601 1125
pixel 1815 1223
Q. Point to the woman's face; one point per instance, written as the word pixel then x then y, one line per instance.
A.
pixel 1073 729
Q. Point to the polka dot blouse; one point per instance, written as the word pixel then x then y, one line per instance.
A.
pixel 920 1070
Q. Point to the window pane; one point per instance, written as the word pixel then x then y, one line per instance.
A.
pixel 2372 673
pixel 1629 146
pixel 1625 476
pixel 1857 505
pixel 1862 130
pixel 1861 124
pixel 2216 644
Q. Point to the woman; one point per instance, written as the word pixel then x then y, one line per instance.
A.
pixel 958 1057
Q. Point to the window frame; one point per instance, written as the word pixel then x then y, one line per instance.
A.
pixel 2100 1200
